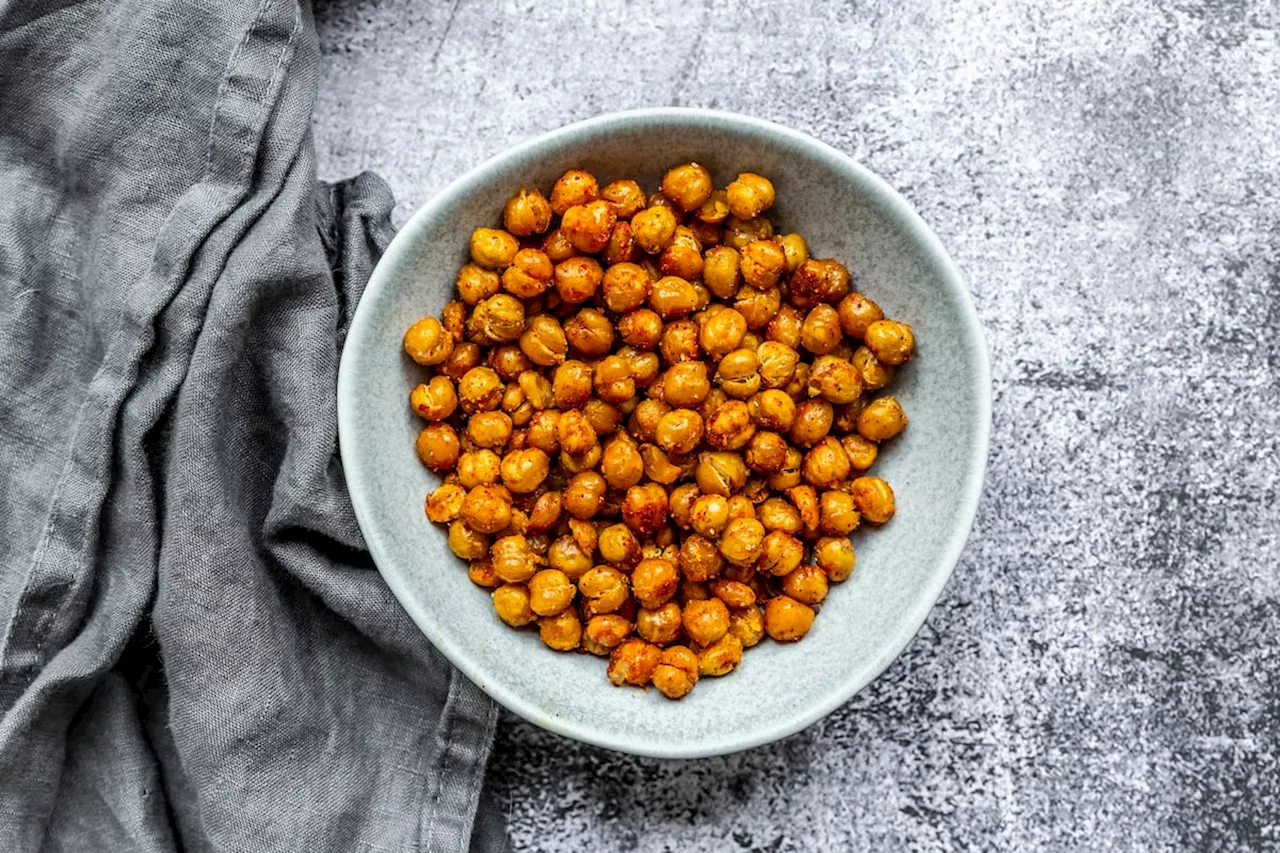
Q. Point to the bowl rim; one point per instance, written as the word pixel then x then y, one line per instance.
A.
pixel 915 229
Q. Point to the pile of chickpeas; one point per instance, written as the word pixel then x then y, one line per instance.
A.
pixel 654 417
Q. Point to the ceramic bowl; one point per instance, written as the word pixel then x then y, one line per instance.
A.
pixel 936 466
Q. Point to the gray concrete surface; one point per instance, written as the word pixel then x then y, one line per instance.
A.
pixel 1102 671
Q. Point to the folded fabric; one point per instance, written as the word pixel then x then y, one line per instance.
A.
pixel 196 652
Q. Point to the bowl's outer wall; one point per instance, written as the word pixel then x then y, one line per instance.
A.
pixel 935 466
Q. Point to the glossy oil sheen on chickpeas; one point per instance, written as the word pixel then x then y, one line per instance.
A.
pixel 654 419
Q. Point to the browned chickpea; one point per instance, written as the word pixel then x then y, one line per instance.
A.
pixel 480 390
pixel 550 592
pixel 645 508
pixel 634 663
pixel 873 372
pixel 721 271
pixel 467 543
pixel 514 560
pixel 489 429
pixel 427 342
pixel 784 328
pixel 750 195
pixel 575 432
pixel 493 248
pixel 511 602
pixel 644 420
pixel 715 399
pixel 715 209
pixel 584 533
pixel 621 248
pixel 487 509
pixel 758 307
pixel 529 275
pixel 882 419
pixel 731 427
pixel 795 249
pixel 557 247
pixel 590 333
pixel 821 332
pixel 588 226
pixel 498 319
pixel 747 625
pixel 438 447
pixel 680 504
pixel 604 589
pixel 445 503
pixel 435 400
pixel 890 341
pixel 577 278
pixel 835 556
pixel 527 212
pixel 654 228
pixel 786 619
pixel 524 470
pixel 481 573
pixel 679 431
pixel 478 468
pixel 626 198
pixel 572 384
pixel 835 380
pixel 826 464
pixel 562 632
pixel 777 364
pixel 776 513
pixel 735 594
pixel 780 553
pixel 454 319
pixel 544 431
pixel 544 342
pixel 574 187
pixel 605 633
pixel 861 451
pixel 626 287
pixel 681 259
pixel 741 541
pixel 567 555
pixel 762 263
pixel 773 410
pixel 686 384
pixel 679 342
pixel 710 515
pixel 857 313
pixel 806 584
pixel 673 297
pixel 708 233
pixel 722 332
pixel 874 499
pixel 621 464
pixel 738 233
pixel 509 362
pixel 721 473
pixel 721 657
pixel 700 559
pixel 641 328
pixel 537 389
pixel 693 590
pixel 798 387
pixel 475 283
pixel 805 499
pixel 613 382
pixel 738 373
pixel 812 422
pixel 816 281
pixel 689 186
pixel 653 582
pixel 789 477
pixel 676 672
pixel 706 621
pixel 839 515
pixel 740 506
pixel 660 625
pixel 619 545
pixel 584 494
pixel 546 512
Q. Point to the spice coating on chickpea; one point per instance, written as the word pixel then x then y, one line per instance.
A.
pixel 882 419
pixel 750 195
pixel 676 672
pixel 786 619
pixel 874 499
pixel 689 186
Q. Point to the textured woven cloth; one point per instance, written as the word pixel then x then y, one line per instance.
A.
pixel 196 652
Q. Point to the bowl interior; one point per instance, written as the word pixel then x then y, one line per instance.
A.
pixel 935 467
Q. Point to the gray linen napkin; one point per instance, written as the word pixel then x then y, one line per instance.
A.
pixel 196 652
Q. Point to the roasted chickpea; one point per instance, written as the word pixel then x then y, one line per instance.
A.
pixel 721 271
pixel 480 390
pixel 835 380
pixel 445 503
pixel 789 477
pixel 740 506
pixel 805 499
pixel 626 287
pixel 435 400
pixel 467 543
pixel 680 504
pixel 654 229
pixel 511 602
pixel 513 559
pixel 543 341
pixel 574 187
pixel 537 390
pixel 566 555
pixel 589 332
pixel 481 573
pixel 721 473
pixel 427 342
pixel 498 319
pixel 835 556
pixel 645 508
pixel 730 427
pixel 653 582
pixel 806 584
pixel 523 471
pixel 738 373
pixel 545 513
pixel 626 198
pixel 577 278
pixel 438 447
pixel 857 313
pixel 816 281
pixel 604 589
pixel 588 226
pixel 777 513
pixel 890 341
pixel 575 432
pixel 721 657
pixel 694 590
pixel 874 499
pixel 722 332
pixel 613 382
pixel 619 545
pixel 826 464
pixel 605 632
pixel 527 212
pixel 634 663
pixel 478 468
pixel 689 186
pixel 475 283
pixel 839 516
pixel 641 328
pixel 777 364
pixel 741 541
pixel 572 385
pixel 747 625
pixel 706 621
pixel 509 361
pixel 821 332
pixel 735 594
pixel 773 410
pixel 550 592
pixel 738 233
pixel 882 419
pixel 679 431
pixel 750 195
pixel 862 452
pixel 487 509
pixel 489 429
pixel 584 494
pixel 562 632
pixel 529 275
pixel 544 431
pixel 454 318
pixel 676 672
pixel 621 463
pixel 873 372
pixel 700 559
pixel 763 262
pixel 660 625
pixel 621 248
pixel 557 247
pixel 710 515
pixel 784 328
pixel 673 297
pixel 786 619
pixel 795 249
pixel 493 248
pixel 780 553
pixel 812 422
pixel 686 384
pixel 798 387
pixel 645 418
pixel 757 306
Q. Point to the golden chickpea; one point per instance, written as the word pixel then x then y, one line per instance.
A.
pixel 874 499
pixel 645 508
pixel 621 248
pixel 435 400
pixel 735 594
pixel 498 319
pixel 605 632
pixel 689 186
pixel 795 249
pixel 493 248
pixel 604 589
pixel 480 390
pixel 838 514
pixel 762 263
pixel 738 373
pixel 511 602
pixel 621 464
pixel 835 556
pixel 653 582
pixel 509 362
pixel 693 590
pixel 776 513
pixel 699 558
pixel 562 632
pixel 739 233
pixel 747 625
pixel 574 187
pixel 715 209
pixel 806 584
pixel 584 494
pixel 475 283
pixel 557 247
pixel 467 543
pixel 805 499
pixel 873 372
pixel 757 306
pixel 613 381
pixel 527 212
pixel 454 319
pixel 772 410
pixel 619 546
pixel 679 342
pixel 478 468
pixel 721 657
pixel 641 328
pixel 427 342
pixel 826 464
pixel 741 541
pixel 777 364
pixel 816 281
pixel 550 592
pixel 784 328
pixel 523 471
pixel 529 275
pixel 626 198
pixel 706 621
pixel 710 515
pixel 445 503
pixel 890 341
pixel 679 431
pixel 543 341
pixel 780 553
pixel 798 387
pixel 545 513
pixel 634 663
pixel 644 366
pixel 835 380
pixel 577 278
pixel 789 476
pixel 481 573
pixel 566 555
pixel 626 287
pixel 676 672
pixel 786 619
pixel 857 313
pixel 812 422
pixel 686 384
pixel 644 419
pixel 740 506
pixel 654 229
pixel 730 427
pixel 862 452
pixel 590 333
pixel 572 385
pixel 588 226
pixel 750 195
pixel 514 560
pixel 680 504
pixel 882 419
pixel 720 473
pixel 487 509
pixel 681 260
pixel 575 432
pixel 537 390
pixel 660 625
pixel 821 332
pixel 722 332
pixel 489 429
pixel 438 447
pixel 673 297
pixel 544 431
pixel 721 271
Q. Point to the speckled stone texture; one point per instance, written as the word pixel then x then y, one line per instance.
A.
pixel 1102 672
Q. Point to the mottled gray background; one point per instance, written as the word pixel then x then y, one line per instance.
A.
pixel 1102 670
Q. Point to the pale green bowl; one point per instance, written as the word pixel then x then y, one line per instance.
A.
pixel 936 466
